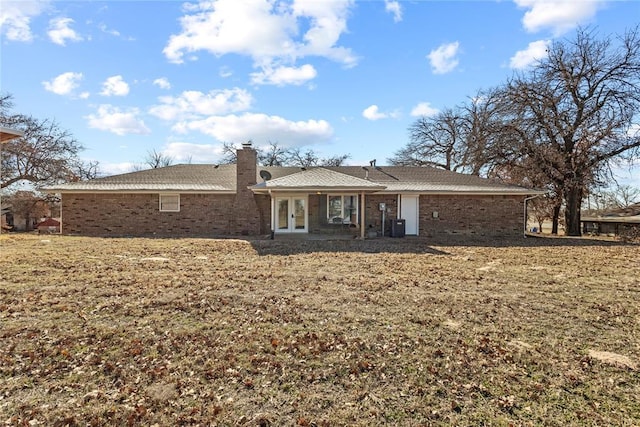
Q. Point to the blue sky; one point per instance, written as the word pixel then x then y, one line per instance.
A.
pixel 337 77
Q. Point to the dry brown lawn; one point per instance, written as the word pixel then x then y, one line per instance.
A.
pixel 318 333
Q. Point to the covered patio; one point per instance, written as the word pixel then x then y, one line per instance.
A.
pixel 318 201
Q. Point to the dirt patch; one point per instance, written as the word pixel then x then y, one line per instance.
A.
pixel 613 359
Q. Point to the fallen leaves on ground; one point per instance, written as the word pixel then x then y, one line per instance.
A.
pixel 318 333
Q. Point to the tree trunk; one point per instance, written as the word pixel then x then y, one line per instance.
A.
pixel 555 219
pixel 573 199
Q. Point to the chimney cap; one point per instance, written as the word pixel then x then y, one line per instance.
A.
pixel 247 144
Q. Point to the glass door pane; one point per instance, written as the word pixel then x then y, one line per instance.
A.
pixel 300 214
pixel 282 206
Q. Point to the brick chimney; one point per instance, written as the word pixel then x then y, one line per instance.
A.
pixel 247 216
pixel 246 166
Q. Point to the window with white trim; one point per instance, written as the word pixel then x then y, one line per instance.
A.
pixel 169 203
pixel 342 208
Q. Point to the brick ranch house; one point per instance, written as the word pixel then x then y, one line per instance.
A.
pixel 247 199
pixel 614 222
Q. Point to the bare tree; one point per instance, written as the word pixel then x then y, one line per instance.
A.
pixel 625 195
pixel 276 155
pixel 337 160
pixel 156 159
pixel 273 155
pixel 614 197
pixel 310 158
pixel 438 141
pixel 456 139
pixel 46 154
pixel 229 154
pixel 541 209
pixel 304 159
pixel 571 114
pixel 84 170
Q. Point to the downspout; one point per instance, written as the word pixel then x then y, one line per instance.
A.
pixel 526 199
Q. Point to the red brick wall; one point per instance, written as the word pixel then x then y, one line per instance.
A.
pixel 94 214
pixel 249 214
pixel 480 215
pixel 373 215
pixel 317 216
pixel 263 202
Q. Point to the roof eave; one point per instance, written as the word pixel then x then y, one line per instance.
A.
pixel 136 191
pixel 465 192
pixel 316 189
pixel 7 134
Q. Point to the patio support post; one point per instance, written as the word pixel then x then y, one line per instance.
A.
pixel 273 215
pixel 362 215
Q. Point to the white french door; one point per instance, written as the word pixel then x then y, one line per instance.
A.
pixel 291 214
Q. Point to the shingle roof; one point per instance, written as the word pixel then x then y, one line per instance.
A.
pixel 318 179
pixel 222 179
pixel 189 177
pixel 170 178
pixel 49 222
pixel 629 215
pixel 634 219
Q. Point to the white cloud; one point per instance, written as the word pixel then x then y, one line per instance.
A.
pixel 394 7
pixel 60 31
pixel 108 169
pixel 64 84
pixel 225 72
pixel 284 75
pixel 559 16
pixel 327 22
pixel 112 119
pixel 195 104
pixel 115 86
pixel 424 109
pixel 198 153
pixel 269 31
pixel 162 83
pixel 229 26
pixel 443 59
pixel 103 27
pixel 535 51
pixel 260 128
pixel 373 113
pixel 15 18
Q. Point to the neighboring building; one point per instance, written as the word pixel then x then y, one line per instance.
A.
pixel 24 210
pixel 7 134
pixel 6 218
pixel 48 225
pixel 615 222
pixel 246 199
